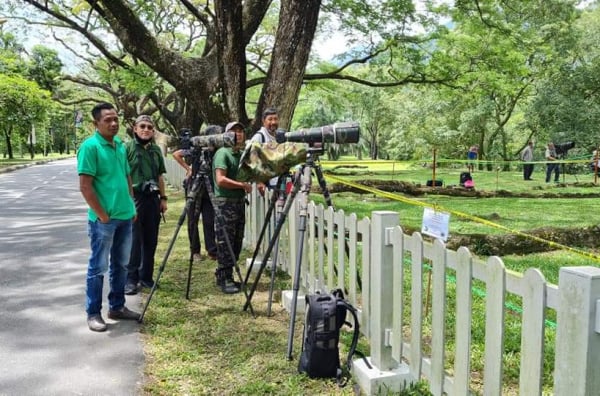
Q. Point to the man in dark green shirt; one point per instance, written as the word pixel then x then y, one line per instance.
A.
pixel 229 200
pixel 147 168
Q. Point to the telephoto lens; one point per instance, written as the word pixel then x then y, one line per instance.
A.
pixel 340 133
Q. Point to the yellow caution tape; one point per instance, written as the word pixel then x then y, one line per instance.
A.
pixel 410 201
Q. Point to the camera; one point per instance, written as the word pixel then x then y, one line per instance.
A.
pixel 185 135
pixel 149 187
pixel 341 132
pixel 563 148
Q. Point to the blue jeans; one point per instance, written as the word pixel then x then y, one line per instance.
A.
pixel 110 243
pixel 552 167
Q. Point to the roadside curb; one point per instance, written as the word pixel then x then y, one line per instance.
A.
pixel 40 162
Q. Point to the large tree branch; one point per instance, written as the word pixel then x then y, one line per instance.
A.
pixel 138 41
pixel 89 83
pixel 76 101
pixel 90 61
pixel 417 78
pixel 253 14
pixel 71 24
pixel 205 18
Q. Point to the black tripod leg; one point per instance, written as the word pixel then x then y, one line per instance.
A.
pixel 327 197
pixel 164 262
pixel 262 233
pixel 189 279
pixel 279 225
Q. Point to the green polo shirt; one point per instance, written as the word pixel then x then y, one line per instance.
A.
pixel 108 165
pixel 226 158
pixel 146 163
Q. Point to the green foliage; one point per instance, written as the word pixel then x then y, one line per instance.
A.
pixel 11 51
pixel 22 104
pixel 45 67
pixel 137 79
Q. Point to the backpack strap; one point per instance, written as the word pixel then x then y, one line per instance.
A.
pixel 262 136
pixel 355 336
pixel 341 302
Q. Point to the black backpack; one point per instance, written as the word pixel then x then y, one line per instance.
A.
pixel 464 176
pixel 325 315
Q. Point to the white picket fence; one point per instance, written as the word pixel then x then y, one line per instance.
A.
pixel 387 273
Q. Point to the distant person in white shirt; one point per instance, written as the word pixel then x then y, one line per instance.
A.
pixel 266 134
pixel 527 157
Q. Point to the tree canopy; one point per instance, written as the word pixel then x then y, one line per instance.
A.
pixel 417 75
pixel 219 55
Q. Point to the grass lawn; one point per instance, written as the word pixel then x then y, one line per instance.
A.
pixel 208 345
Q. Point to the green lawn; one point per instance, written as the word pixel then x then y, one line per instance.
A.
pixel 209 345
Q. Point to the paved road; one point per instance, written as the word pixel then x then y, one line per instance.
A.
pixel 45 345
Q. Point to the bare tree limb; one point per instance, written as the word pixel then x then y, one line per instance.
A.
pixel 70 24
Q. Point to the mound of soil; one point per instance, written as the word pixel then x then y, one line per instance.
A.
pixel 501 245
pixel 457 191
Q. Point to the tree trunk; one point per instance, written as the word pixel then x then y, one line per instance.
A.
pixel 231 52
pixel 9 149
pixel 295 33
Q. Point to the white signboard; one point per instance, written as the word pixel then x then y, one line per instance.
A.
pixel 435 224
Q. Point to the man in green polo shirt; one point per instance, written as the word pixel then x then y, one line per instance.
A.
pixel 229 200
pixel 105 184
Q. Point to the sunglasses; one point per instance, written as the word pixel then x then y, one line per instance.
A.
pixel 146 126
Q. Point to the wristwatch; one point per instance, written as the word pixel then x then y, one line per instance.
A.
pixel 164 198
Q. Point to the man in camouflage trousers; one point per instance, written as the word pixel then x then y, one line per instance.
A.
pixel 229 201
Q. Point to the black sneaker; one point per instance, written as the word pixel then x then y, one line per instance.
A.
pixel 219 280
pixel 131 289
pixel 123 314
pixel 147 284
pixel 229 287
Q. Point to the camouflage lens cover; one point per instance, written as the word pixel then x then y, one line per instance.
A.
pixel 261 162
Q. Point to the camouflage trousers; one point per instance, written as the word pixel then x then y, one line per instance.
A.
pixel 230 221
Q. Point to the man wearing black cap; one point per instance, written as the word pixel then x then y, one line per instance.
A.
pixel 147 169
pixel 229 205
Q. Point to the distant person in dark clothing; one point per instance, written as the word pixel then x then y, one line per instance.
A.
pixel 527 157
pixel 552 165
pixel 202 204
pixel 147 169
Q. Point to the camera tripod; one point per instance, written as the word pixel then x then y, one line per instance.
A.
pixel 200 184
pixel 302 184
pixel 563 167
